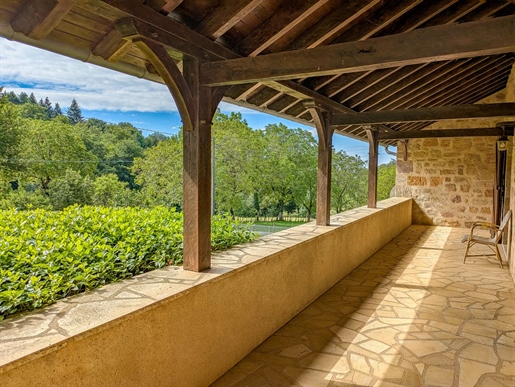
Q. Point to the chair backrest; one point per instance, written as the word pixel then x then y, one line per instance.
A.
pixel 502 227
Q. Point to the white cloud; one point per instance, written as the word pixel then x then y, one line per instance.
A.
pixel 25 68
pixel 33 70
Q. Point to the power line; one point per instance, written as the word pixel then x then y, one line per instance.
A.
pixel 64 161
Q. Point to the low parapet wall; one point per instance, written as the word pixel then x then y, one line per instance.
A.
pixel 189 334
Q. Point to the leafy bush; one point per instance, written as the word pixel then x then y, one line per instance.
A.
pixel 48 255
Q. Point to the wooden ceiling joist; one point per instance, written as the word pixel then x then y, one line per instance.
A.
pixel 439 113
pixel 445 133
pixel 37 19
pixel 484 37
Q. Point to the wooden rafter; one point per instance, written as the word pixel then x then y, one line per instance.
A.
pixel 330 26
pixel 484 37
pixel 417 16
pixel 170 5
pixel 454 12
pixel 425 86
pixel 225 17
pixel 37 19
pixel 289 14
pixel 440 113
pixel 446 86
pixel 380 19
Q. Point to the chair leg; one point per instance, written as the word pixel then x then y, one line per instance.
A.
pixel 498 255
pixel 466 251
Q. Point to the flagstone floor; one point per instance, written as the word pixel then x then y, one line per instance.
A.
pixel 411 315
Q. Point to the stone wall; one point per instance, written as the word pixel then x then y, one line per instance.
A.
pixel 450 180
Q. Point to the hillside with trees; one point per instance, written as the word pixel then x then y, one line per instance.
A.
pixel 53 159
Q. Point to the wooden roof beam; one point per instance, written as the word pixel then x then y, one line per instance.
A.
pixel 442 133
pixel 112 46
pixel 483 37
pixel 146 23
pixel 36 19
pixel 163 30
pixel 225 17
pixel 440 113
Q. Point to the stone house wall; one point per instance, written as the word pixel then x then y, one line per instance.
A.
pixel 452 179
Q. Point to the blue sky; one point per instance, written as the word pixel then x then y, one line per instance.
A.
pixel 116 97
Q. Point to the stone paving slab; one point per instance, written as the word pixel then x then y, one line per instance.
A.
pixel 411 315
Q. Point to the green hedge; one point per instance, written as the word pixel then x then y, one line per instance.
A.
pixel 48 255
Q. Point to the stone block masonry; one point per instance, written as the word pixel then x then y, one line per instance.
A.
pixel 450 180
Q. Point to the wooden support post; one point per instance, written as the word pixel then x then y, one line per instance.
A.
pixel 372 167
pixel 197 174
pixel 197 105
pixel 325 137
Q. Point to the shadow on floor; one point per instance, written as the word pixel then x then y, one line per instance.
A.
pixel 411 315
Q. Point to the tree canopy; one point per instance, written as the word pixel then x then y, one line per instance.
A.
pixel 49 160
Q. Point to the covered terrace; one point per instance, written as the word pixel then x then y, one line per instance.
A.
pixel 411 71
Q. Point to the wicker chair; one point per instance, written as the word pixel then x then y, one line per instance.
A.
pixel 496 233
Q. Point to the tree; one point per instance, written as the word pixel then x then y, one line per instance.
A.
pixel 10 137
pixel 281 177
pixel 48 107
pixel 116 145
pixel 348 182
pixel 33 111
pixel 74 113
pixel 386 179
pixel 32 99
pixel 236 152
pixel 13 98
pixel 50 148
pixel 305 156
pixel 109 191
pixel 72 188
pixel 57 110
pixel 23 97
pixel 159 173
pixel 154 139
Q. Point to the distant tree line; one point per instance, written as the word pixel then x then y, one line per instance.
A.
pixel 51 159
